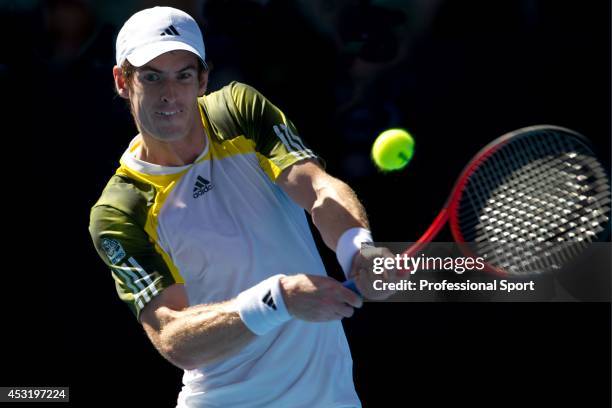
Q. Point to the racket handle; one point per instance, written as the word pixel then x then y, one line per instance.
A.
pixel 350 284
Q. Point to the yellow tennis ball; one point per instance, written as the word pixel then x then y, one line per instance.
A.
pixel 393 149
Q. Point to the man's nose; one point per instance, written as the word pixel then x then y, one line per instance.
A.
pixel 169 92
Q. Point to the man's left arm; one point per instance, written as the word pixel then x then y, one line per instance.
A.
pixel 289 162
pixel 331 203
pixel 338 215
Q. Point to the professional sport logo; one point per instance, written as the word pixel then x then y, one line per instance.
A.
pixel 113 249
pixel 201 186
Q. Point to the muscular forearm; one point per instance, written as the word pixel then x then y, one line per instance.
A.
pixel 336 209
pixel 203 334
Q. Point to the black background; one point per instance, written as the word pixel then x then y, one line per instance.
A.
pixel 476 70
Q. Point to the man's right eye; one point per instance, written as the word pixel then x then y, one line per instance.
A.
pixel 151 77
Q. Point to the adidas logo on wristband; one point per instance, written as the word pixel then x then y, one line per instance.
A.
pixel 262 307
pixel 268 300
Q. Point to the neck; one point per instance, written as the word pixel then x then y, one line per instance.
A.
pixel 176 153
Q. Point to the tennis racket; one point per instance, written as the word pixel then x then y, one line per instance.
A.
pixel 530 202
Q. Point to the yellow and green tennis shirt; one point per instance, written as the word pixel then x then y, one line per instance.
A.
pixel 219 226
pixel 155 226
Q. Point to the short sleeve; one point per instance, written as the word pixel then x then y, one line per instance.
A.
pixel 139 271
pixel 276 137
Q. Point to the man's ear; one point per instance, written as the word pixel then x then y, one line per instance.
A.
pixel 203 83
pixel 120 84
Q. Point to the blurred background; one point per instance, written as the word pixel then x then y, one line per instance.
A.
pixel 456 74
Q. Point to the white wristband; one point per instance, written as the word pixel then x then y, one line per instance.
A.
pixel 349 244
pixel 262 307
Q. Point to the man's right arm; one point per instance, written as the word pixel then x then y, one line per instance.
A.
pixel 190 337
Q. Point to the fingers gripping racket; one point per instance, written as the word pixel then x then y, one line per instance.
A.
pixel 528 203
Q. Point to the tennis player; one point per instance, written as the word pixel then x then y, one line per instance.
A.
pixel 204 230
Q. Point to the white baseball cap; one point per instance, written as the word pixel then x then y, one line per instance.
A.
pixel 154 31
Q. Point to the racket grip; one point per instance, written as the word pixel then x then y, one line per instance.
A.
pixel 350 284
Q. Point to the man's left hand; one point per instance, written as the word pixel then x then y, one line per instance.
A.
pixel 363 275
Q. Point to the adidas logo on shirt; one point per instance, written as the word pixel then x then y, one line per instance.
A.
pixel 201 186
pixel 268 300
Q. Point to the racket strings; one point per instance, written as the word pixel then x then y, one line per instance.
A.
pixel 546 256
pixel 533 200
pixel 493 176
pixel 535 203
pixel 509 211
pixel 535 251
pixel 529 194
pixel 545 199
pixel 556 188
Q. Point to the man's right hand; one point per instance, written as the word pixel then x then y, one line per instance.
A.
pixel 318 298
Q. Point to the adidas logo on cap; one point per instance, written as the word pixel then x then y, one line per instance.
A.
pixel 170 31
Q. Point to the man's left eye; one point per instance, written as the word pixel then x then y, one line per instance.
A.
pixel 185 75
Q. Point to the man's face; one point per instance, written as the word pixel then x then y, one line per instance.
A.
pixel 163 96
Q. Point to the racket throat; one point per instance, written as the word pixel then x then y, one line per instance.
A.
pixel 434 228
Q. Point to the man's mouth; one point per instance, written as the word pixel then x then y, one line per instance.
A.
pixel 168 113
